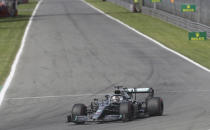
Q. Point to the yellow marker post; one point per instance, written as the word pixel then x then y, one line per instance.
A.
pixel 136 1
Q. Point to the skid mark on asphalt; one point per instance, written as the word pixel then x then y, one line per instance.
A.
pixel 185 91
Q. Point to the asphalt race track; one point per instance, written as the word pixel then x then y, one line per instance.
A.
pixel 73 51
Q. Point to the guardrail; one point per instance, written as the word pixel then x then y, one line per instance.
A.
pixel 167 17
pixel 176 20
pixel 201 14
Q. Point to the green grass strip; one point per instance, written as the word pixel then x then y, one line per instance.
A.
pixel 171 36
pixel 11 33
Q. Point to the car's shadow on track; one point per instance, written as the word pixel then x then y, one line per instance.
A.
pixel 115 122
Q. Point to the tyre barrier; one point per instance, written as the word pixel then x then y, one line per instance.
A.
pixel 8 8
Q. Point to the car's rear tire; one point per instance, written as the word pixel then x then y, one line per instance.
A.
pixel 79 110
pixel 126 110
pixel 155 106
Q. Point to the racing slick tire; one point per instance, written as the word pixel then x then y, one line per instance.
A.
pixel 126 110
pixel 155 106
pixel 79 110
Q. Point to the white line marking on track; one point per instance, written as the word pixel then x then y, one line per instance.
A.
pixel 101 94
pixel 17 58
pixel 149 38
pixel 184 91
pixel 59 96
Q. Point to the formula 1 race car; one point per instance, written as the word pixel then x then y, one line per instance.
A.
pixel 122 105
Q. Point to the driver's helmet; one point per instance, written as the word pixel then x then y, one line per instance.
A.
pixel 116 99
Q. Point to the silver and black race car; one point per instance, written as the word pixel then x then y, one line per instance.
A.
pixel 122 105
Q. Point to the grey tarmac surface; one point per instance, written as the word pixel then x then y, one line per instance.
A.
pixel 72 51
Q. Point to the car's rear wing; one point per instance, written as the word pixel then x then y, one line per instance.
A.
pixel 140 90
pixel 149 91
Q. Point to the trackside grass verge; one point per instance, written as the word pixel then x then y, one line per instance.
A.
pixel 11 33
pixel 171 36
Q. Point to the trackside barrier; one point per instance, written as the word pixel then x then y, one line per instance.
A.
pixel 8 8
pixel 200 15
pixel 132 5
pixel 3 9
pixel 176 20
pixel 12 7
pixel 163 15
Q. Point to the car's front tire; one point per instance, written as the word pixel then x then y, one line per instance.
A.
pixel 78 110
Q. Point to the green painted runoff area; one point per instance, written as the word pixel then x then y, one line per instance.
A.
pixel 11 33
pixel 171 36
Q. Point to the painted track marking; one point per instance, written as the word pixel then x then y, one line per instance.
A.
pixel 101 94
pixel 59 96
pixel 17 58
pixel 149 38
